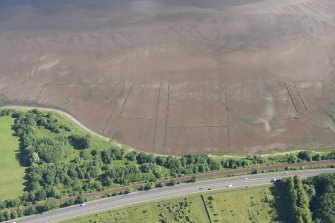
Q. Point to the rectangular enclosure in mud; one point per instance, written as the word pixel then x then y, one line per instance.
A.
pixel 176 77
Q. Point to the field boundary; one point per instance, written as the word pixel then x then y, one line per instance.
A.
pixel 111 113
pixel 207 212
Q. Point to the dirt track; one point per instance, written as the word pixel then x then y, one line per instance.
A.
pixel 178 76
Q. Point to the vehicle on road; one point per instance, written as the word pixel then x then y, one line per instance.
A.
pixel 275 180
pixel 82 205
pixel 229 186
pixel 209 188
pixel 246 178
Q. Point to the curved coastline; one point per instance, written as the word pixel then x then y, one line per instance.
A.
pixel 71 117
pixel 76 121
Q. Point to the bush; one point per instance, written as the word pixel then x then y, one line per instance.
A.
pixel 30 211
pixel 69 202
pixel 316 157
pixel 173 182
pixel 129 190
pixel 194 178
pixel 6 112
pixel 160 184
pixel 49 150
pixel 80 142
pixel 149 186
pixel 51 203
pixel 81 199
pixel 254 171
pixel 5 215
pixel 305 155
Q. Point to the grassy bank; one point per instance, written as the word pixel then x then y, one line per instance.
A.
pixel 187 209
pixel 242 205
pixel 250 205
pixel 11 173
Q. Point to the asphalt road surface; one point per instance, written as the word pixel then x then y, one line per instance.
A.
pixel 165 192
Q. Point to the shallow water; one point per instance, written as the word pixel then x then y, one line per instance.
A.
pixel 102 3
pixel 86 15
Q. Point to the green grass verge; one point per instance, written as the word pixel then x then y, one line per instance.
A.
pixel 188 209
pixel 237 205
pixel 244 205
pixel 11 173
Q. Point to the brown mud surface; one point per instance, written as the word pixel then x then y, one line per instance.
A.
pixel 176 77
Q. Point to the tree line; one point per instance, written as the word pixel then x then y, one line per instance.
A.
pixel 322 191
pixel 295 200
pixel 311 200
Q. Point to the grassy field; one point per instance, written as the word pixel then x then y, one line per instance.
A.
pixel 11 173
pixel 189 209
pixel 242 205
pixel 245 205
